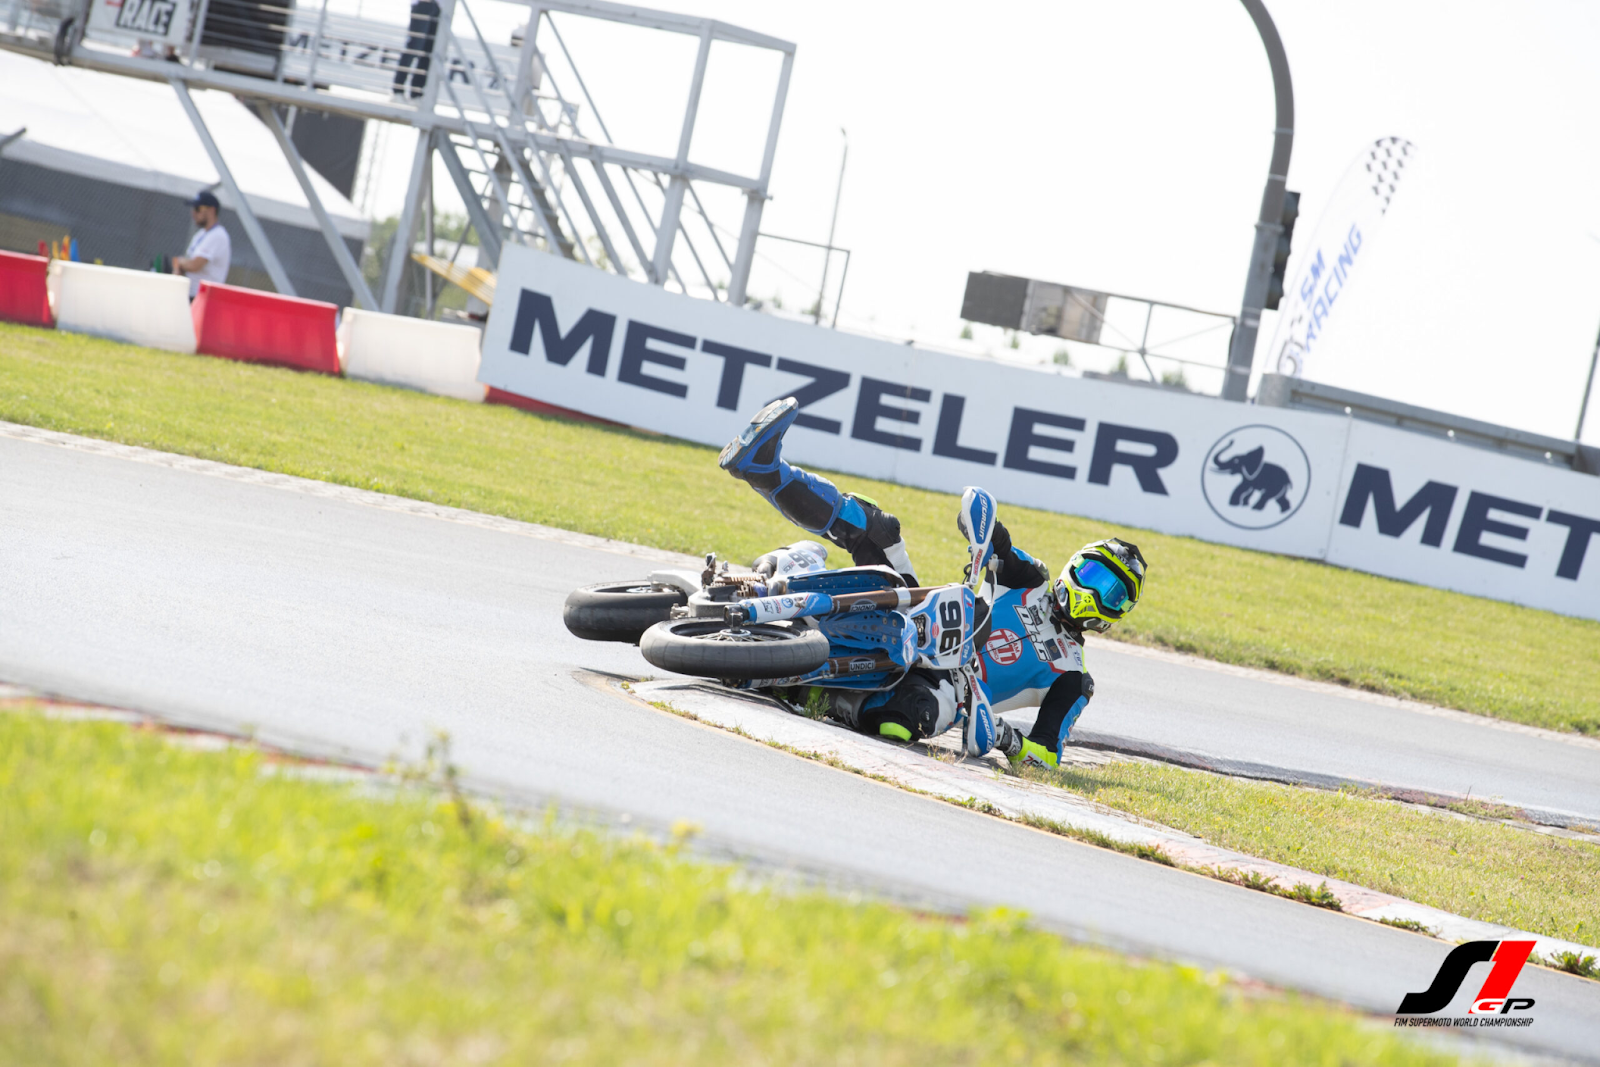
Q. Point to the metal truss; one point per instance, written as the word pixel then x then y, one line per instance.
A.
pixel 529 154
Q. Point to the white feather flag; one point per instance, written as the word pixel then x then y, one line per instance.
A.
pixel 1341 240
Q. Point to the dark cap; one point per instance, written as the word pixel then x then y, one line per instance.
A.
pixel 205 198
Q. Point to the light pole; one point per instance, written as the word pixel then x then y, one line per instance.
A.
pixel 1588 387
pixel 1241 355
pixel 827 255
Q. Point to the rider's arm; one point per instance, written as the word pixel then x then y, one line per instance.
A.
pixel 1014 568
pixel 1060 708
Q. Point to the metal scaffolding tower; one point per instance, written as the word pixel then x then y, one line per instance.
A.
pixel 514 125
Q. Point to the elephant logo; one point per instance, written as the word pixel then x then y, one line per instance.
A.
pixel 1255 477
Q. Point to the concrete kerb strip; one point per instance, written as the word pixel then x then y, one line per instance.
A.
pixel 979 784
pixel 1546 820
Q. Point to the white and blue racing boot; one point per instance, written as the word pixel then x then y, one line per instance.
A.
pixel 757 449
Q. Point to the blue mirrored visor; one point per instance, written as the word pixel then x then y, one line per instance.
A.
pixel 1092 574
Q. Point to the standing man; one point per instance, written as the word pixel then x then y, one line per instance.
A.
pixel 210 251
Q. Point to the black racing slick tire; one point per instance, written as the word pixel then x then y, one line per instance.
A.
pixel 619 611
pixel 711 648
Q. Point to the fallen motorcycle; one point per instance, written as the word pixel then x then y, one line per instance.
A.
pixel 793 622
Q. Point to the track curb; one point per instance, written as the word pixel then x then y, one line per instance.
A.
pixel 939 770
pixel 1544 817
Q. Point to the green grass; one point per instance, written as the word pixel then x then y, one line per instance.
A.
pixel 1483 870
pixel 1241 607
pixel 1573 963
pixel 1319 896
pixel 164 905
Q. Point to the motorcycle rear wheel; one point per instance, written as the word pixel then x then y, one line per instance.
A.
pixel 711 648
pixel 619 611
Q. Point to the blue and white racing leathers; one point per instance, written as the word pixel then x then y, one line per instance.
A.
pixel 1031 658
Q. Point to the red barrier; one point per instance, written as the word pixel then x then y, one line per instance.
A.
pixel 260 327
pixel 24 296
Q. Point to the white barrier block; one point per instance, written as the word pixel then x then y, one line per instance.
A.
pixel 433 357
pixel 136 306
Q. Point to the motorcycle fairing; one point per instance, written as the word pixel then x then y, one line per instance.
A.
pixel 856 636
pixel 943 627
pixel 847 580
pixel 872 631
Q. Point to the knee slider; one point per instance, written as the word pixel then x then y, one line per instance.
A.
pixel 874 720
pixel 913 705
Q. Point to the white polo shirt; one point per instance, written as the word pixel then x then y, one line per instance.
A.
pixel 217 249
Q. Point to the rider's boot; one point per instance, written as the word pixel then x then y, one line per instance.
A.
pixel 1020 750
pixel 856 524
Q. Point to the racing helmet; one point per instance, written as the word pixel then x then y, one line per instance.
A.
pixel 1100 584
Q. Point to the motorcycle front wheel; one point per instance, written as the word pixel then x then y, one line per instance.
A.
pixel 619 611
pixel 711 648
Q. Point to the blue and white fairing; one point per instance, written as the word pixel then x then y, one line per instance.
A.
pixel 945 624
pixel 812 594
pixel 872 646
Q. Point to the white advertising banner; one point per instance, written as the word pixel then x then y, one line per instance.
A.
pixel 1263 478
pixel 1432 511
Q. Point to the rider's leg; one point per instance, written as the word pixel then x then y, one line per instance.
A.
pixel 1058 713
pixel 810 501
pixel 923 705
pixel 1059 710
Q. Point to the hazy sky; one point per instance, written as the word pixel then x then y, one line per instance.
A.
pixel 1123 146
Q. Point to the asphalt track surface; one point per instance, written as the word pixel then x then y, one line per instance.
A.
pixel 1289 730
pixel 349 629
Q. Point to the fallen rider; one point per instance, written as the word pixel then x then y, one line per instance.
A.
pixel 1034 653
